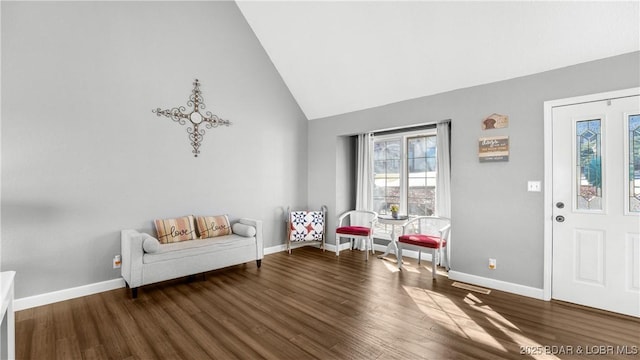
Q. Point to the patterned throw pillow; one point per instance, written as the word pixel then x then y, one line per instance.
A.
pixel 212 226
pixel 306 225
pixel 175 230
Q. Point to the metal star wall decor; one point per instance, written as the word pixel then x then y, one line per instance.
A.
pixel 179 115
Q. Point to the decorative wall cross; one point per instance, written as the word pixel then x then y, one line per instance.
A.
pixel 179 115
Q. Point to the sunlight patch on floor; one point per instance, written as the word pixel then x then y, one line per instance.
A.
pixel 410 268
pixel 478 305
pixel 392 267
pixel 464 322
pixel 448 315
pixel 506 326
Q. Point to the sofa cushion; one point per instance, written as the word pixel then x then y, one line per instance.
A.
pixel 150 244
pixel 244 230
pixel 212 226
pixel 175 230
pixel 185 249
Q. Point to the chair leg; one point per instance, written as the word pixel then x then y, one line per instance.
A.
pixel 433 263
pixel 399 256
pixel 366 249
pixel 419 256
pixel 446 256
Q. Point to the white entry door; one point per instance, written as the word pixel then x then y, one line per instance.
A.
pixel 596 200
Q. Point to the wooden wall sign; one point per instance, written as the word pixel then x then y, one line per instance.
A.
pixel 495 121
pixel 492 149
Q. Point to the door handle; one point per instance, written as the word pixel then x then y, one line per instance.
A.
pixel 560 218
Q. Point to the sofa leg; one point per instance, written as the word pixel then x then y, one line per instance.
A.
pixel 134 293
pixel 259 262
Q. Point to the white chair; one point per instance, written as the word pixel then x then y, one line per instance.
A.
pixel 360 226
pixel 426 232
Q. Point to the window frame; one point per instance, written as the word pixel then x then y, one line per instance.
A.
pixel 404 137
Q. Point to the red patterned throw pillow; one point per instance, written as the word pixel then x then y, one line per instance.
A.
pixel 175 230
pixel 212 226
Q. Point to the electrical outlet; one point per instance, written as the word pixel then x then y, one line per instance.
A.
pixel 117 262
pixel 492 264
pixel 534 186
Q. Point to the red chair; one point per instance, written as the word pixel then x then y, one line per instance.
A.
pixel 426 232
pixel 361 223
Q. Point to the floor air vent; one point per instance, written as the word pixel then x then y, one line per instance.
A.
pixel 471 288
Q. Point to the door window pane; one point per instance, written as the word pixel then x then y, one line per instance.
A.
pixel 634 163
pixel 589 164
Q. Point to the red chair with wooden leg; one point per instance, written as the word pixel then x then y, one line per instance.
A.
pixel 426 232
pixel 360 226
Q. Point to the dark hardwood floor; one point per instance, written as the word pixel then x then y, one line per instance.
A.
pixel 314 305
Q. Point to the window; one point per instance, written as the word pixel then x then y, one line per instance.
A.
pixel 421 163
pixel 589 165
pixel 386 174
pixel 404 173
pixel 633 159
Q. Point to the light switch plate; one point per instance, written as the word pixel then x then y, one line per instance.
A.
pixel 535 186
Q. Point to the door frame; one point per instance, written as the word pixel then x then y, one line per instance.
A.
pixel 548 172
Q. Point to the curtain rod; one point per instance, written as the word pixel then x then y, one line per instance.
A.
pixel 409 128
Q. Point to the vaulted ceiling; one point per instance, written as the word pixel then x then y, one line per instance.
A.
pixel 342 56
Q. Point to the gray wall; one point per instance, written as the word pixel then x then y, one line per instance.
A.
pixel 346 166
pixel 83 156
pixel 493 215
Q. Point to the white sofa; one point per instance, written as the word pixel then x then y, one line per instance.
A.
pixel 146 261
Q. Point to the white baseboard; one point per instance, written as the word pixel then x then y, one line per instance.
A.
pixel 90 289
pixel 379 248
pixel 426 256
pixel 283 247
pixel 345 246
pixel 95 288
pixel 66 294
pixel 497 284
pixel 275 249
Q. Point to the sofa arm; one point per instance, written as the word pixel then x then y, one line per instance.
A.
pixel 131 247
pixel 259 240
